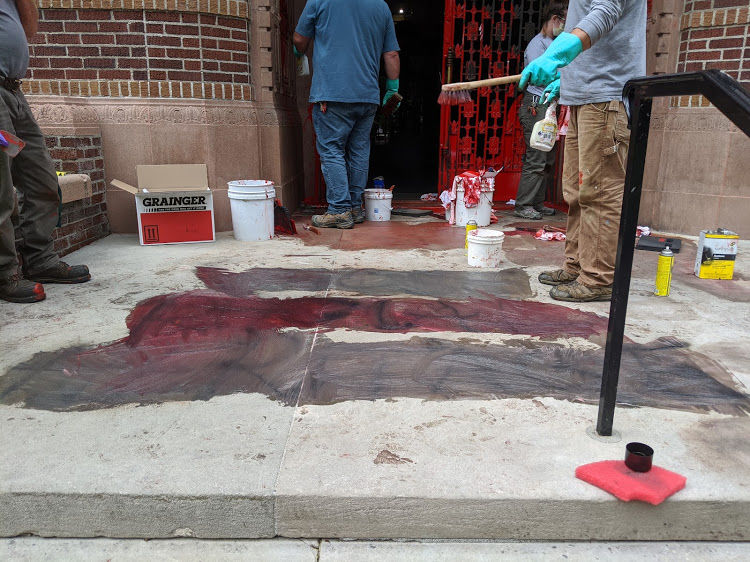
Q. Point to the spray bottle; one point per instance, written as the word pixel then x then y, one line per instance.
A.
pixel 664 272
pixel 544 133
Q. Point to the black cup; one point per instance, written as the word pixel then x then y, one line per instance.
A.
pixel 638 457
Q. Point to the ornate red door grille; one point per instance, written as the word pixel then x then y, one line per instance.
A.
pixel 485 39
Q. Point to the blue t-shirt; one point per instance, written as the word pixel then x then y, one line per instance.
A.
pixel 350 37
pixel 14 50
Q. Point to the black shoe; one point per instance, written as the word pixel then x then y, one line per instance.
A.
pixel 18 289
pixel 61 273
pixel 358 215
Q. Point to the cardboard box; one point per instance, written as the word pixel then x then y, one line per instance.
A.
pixel 174 204
pixel 717 252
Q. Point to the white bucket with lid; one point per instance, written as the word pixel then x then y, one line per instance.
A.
pixel 378 204
pixel 485 247
pixel 251 202
pixel 480 213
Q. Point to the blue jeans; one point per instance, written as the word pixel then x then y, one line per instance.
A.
pixel 343 140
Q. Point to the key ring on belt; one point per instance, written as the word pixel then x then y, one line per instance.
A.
pixel 10 84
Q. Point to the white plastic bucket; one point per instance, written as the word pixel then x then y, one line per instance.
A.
pixel 378 204
pixel 485 247
pixel 480 213
pixel 252 209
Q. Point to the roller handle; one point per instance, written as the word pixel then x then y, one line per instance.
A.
pixel 458 86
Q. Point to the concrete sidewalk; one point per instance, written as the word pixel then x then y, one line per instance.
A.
pixel 320 386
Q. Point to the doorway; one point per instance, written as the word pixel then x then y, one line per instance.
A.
pixel 405 146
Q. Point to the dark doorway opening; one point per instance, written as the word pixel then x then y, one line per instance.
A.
pixel 405 146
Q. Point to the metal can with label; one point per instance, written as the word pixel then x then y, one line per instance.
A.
pixel 471 225
pixel 664 272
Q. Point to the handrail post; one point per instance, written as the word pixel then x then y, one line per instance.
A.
pixel 640 108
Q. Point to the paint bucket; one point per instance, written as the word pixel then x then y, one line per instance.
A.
pixel 485 247
pixel 480 213
pixel 251 202
pixel 378 204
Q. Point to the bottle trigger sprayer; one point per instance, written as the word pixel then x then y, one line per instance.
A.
pixel 544 133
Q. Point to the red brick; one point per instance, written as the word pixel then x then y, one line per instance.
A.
pixel 181 29
pixel 729 3
pixel 210 65
pixel 233 45
pixel 44 74
pixel 85 74
pixel 114 74
pixel 217 77
pixel 128 15
pixel 206 19
pixel 704 55
pixel 239 57
pixel 734 43
pixel 113 27
pixel 208 43
pixel 724 65
pixel 184 53
pixel 155 28
pixel 232 67
pixel 95 15
pixel 163 16
pixel 735 30
pixel 38 62
pixel 184 76
pixel 130 39
pixel 239 35
pixel 165 41
pixel 83 51
pixel 215 32
pixel 52 14
pixel 695 46
pixel 707 33
pixel 189 18
pixel 65 62
pixel 138 52
pixel 100 63
pixel 115 51
pixel 232 22
pixel 165 63
pixel 135 27
pixel 50 27
pixel 156 52
pixel 96 39
pixel 45 51
pixel 728 54
pixel 131 63
pixel 192 65
pixel 64 39
pixel 89 27
pixel 156 75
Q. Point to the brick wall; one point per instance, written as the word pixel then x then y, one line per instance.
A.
pixel 714 34
pixel 85 220
pixel 167 48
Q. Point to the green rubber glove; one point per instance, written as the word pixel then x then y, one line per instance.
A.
pixel 543 70
pixel 552 91
pixel 391 87
pixel 297 54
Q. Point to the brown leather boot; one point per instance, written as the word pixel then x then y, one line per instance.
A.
pixel 61 273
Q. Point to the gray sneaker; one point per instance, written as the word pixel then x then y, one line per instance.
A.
pixel 328 220
pixel 575 292
pixel 527 213
pixel 557 277
pixel 542 210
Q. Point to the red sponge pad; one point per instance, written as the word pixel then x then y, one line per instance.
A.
pixel 614 477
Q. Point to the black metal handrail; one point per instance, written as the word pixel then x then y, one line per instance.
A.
pixel 734 102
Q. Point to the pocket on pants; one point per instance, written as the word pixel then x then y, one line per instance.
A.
pixel 617 136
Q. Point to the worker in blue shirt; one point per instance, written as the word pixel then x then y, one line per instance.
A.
pixel 350 37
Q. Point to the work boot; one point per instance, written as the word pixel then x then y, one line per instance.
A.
pixel 17 289
pixel 61 273
pixel 557 277
pixel 544 211
pixel 575 292
pixel 527 212
pixel 329 220
pixel 358 215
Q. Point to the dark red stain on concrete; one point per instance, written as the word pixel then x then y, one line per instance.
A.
pixel 198 345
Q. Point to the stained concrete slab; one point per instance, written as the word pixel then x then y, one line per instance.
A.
pixel 338 551
pixel 359 468
pixel 30 549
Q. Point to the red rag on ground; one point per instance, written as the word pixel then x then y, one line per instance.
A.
pixel 615 477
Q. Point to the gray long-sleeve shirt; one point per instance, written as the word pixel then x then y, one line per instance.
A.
pixel 617 29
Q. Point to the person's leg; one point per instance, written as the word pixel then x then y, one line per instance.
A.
pixel 570 183
pixel 532 172
pixel 35 179
pixel 358 156
pixel 603 139
pixel 8 258
pixel 332 130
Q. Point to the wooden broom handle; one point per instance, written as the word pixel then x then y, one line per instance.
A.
pixel 458 86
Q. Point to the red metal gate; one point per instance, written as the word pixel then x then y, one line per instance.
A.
pixel 485 39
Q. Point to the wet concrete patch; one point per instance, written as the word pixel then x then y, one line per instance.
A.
pixel 662 374
pixel 457 285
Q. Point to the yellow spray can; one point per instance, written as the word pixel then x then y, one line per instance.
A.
pixel 664 272
pixel 471 225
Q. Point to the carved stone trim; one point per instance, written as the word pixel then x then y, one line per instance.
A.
pixel 232 8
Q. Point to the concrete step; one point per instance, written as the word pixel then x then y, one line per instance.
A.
pixel 285 550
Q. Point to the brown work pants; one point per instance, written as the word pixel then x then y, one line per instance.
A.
pixel 33 174
pixel 596 149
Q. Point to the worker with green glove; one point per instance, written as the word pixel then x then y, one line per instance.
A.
pixel 537 164
pixel 587 66
pixel 350 39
